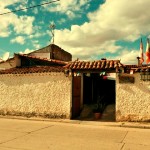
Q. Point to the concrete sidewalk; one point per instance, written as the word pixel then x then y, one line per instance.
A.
pixel 57 134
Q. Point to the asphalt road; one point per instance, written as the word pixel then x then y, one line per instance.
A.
pixel 44 135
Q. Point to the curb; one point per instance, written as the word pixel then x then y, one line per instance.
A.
pixel 141 125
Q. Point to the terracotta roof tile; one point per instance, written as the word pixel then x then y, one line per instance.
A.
pixel 111 64
pixel 99 64
pixel 28 70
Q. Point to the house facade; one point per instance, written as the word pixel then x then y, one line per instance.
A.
pixel 90 80
pixel 36 86
pixel 127 87
pixel 39 86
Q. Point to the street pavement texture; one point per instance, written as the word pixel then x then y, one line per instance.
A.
pixel 72 135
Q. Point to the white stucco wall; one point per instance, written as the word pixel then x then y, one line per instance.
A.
pixel 43 94
pixel 133 100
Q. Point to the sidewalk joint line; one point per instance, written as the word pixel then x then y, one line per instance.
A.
pixel 40 129
pixel 27 133
pixel 124 136
pixel 122 146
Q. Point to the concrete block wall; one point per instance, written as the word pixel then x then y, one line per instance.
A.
pixel 133 100
pixel 38 94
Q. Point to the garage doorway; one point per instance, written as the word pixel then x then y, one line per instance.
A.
pixel 94 86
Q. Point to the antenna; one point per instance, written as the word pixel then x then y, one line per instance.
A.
pixel 52 27
pixel 5 56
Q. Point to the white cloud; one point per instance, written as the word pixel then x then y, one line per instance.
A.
pixel 20 24
pixel 127 57
pixel 7 3
pixel 4 27
pixel 26 51
pixel 69 7
pixel 34 3
pixel 23 24
pixel 36 35
pixel 61 21
pixel 18 39
pixel 114 20
pixel 36 44
pixel 83 2
pixel 35 11
pixel 4 32
pixel 22 6
pixel 70 14
pixel 5 56
pixel 90 52
pixel 115 16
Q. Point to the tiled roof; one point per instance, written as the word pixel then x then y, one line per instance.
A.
pixel 37 69
pixel 137 68
pixel 59 62
pixel 99 64
pixel 142 68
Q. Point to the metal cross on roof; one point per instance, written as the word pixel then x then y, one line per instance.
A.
pixel 52 27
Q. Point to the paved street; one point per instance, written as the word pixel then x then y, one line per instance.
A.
pixel 72 135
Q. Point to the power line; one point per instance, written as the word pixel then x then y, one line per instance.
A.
pixel 29 7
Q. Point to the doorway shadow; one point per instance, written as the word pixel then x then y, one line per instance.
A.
pixel 108 114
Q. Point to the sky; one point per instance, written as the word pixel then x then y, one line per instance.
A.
pixel 88 29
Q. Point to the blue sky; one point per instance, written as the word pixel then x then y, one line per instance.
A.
pixel 88 29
